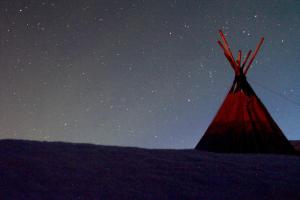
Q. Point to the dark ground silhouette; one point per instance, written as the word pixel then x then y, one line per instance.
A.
pixel 53 170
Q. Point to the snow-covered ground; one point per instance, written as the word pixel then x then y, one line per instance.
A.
pixel 48 170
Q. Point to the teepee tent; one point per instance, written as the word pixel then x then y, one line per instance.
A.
pixel 243 124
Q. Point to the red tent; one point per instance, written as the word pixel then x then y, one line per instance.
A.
pixel 243 124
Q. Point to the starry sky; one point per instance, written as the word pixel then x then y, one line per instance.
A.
pixel 146 73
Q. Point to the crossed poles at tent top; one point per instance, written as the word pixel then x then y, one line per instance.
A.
pixel 236 64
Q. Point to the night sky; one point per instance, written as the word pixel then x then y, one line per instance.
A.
pixel 145 73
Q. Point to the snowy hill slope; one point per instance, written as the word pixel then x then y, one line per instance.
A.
pixel 52 170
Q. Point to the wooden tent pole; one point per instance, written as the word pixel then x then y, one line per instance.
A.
pixel 226 54
pixel 226 46
pixel 238 61
pixel 253 56
pixel 224 39
pixel 222 46
pixel 246 59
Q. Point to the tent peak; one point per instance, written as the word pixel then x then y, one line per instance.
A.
pixel 238 65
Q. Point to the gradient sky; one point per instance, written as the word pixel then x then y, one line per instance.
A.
pixel 145 73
